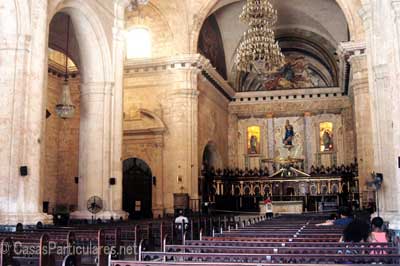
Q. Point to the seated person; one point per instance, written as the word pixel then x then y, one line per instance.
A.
pixel 378 235
pixel 356 231
pixel 312 170
pixel 343 220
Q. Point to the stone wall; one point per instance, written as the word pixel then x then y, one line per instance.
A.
pixel 62 147
pixel 161 35
pixel 51 139
pixel 143 136
pixel 167 96
pixel 305 116
pixel 213 121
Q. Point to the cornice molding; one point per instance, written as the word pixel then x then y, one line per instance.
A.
pixel 348 49
pixel 182 62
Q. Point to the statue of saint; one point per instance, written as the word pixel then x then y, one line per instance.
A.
pixel 289 134
pixel 327 141
pixel 253 145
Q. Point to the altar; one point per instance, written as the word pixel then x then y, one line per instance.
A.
pixel 279 165
pixel 284 207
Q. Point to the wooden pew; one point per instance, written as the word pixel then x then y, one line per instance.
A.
pixel 32 251
pixel 280 250
pixel 89 246
pixel 59 245
pixel 216 242
pixel 186 263
pixel 6 251
pixel 272 258
pixel 276 239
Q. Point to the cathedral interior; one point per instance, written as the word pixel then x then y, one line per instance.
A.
pixel 141 105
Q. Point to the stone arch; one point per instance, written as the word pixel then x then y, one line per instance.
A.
pixel 95 55
pixel 158 121
pixel 96 98
pixel 137 188
pixel 350 11
pixel 211 156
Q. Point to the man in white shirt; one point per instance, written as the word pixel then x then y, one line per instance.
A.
pixel 181 220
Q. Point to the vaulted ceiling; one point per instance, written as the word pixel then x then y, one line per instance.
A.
pixel 310 27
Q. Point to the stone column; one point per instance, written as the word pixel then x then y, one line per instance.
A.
pixel 383 91
pixel 308 132
pixel 180 151
pixel 116 116
pixel 363 124
pixel 95 160
pixel 22 111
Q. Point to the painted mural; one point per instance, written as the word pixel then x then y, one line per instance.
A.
pixel 296 73
pixel 211 46
pixel 300 71
pixel 326 136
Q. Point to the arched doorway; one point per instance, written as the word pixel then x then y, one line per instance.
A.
pixel 137 188
pixel 210 162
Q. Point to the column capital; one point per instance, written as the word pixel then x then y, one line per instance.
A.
pixel 348 49
pixel 270 115
pixel 97 88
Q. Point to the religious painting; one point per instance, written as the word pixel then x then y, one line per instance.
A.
pixel 289 137
pixel 300 71
pixel 253 140
pixel 211 45
pixel 296 73
pixel 326 136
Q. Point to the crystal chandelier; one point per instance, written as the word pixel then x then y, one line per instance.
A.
pixel 258 52
pixel 134 4
pixel 65 108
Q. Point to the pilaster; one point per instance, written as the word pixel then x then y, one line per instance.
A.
pixel 233 140
pixel 180 154
pixel 21 115
pixel 363 123
pixel 270 135
pixel 308 128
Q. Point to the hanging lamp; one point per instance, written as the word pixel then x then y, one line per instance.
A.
pixel 65 108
